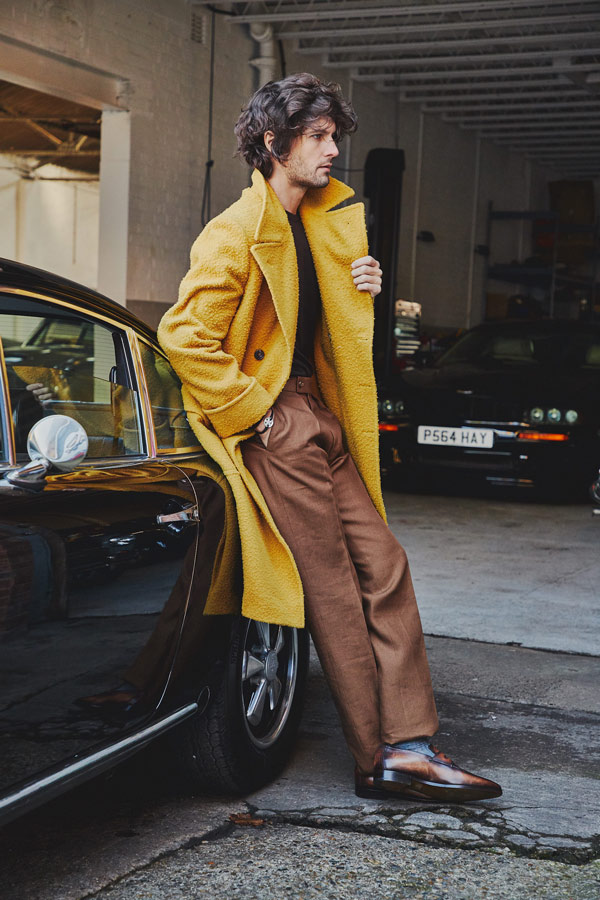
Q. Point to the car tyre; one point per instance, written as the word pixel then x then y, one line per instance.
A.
pixel 245 734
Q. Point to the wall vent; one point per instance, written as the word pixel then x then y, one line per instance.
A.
pixel 198 27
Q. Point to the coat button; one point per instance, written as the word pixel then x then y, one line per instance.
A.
pixel 259 354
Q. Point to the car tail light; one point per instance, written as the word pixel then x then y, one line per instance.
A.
pixel 541 436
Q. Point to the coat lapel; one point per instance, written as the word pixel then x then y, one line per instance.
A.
pixel 275 253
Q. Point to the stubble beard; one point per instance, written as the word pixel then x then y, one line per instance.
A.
pixel 303 179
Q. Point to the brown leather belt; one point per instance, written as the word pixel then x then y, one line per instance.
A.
pixel 302 384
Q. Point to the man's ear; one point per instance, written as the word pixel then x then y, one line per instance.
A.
pixel 268 138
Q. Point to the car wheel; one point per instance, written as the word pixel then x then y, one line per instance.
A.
pixel 244 736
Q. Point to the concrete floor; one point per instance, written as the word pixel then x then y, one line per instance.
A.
pixel 496 581
pixel 503 571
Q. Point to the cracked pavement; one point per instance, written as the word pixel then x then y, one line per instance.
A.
pixel 550 808
pixel 525 717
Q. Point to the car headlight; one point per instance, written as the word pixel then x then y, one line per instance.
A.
pixel 536 415
pixel 571 416
pixel 388 407
pixel 554 415
pixel 399 407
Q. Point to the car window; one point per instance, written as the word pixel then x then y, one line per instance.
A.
pixel 68 364
pixel 538 346
pixel 164 390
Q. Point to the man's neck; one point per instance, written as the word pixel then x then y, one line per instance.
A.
pixel 289 195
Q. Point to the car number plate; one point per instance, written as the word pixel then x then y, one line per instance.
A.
pixel 455 437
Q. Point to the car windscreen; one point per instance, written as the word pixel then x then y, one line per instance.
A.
pixel 534 347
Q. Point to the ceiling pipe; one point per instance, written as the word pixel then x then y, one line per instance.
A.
pixel 266 62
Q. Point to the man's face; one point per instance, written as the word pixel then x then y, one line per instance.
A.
pixel 311 155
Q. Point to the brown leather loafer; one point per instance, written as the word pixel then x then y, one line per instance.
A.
pixel 365 788
pixel 423 777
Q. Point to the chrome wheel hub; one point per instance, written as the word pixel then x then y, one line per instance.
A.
pixel 271 665
pixel 269 671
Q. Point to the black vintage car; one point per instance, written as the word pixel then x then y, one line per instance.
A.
pixel 110 523
pixel 514 402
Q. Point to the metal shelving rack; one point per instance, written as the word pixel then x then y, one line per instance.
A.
pixel 545 276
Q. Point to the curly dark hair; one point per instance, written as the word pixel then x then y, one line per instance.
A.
pixel 287 108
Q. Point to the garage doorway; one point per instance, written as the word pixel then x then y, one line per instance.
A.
pixel 64 204
pixel 49 182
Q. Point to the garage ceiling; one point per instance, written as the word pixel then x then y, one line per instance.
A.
pixel 37 128
pixel 525 75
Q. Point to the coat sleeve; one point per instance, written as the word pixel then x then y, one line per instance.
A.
pixel 193 330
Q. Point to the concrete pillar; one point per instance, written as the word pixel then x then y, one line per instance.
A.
pixel 114 204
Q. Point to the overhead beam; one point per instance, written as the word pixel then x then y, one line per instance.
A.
pixel 492 89
pixel 440 102
pixel 578 174
pixel 525 103
pixel 559 141
pixel 43 70
pixel 520 148
pixel 57 152
pixel 460 44
pixel 509 79
pixel 563 164
pixel 542 131
pixel 48 120
pixel 587 157
pixel 361 10
pixel 545 147
pixel 480 24
pixel 35 126
pixel 570 149
pixel 473 58
pixel 587 154
pixel 523 116
pixel 547 67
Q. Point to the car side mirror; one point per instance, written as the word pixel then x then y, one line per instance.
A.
pixel 54 442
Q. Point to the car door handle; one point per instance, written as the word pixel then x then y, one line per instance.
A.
pixel 187 514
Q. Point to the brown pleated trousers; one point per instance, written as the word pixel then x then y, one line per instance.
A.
pixel 359 599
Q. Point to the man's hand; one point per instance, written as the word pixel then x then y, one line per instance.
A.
pixel 41 393
pixel 367 275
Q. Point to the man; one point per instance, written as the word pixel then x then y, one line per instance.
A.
pixel 272 338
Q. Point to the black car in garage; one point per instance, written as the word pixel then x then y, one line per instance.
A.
pixel 111 518
pixel 514 402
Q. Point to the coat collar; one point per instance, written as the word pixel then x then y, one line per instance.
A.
pixel 273 222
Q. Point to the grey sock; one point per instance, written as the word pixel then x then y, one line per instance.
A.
pixel 419 745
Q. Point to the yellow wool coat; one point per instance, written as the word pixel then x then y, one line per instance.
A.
pixel 231 336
